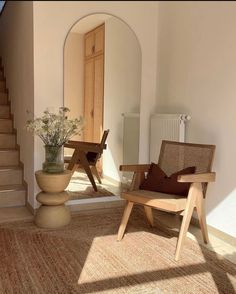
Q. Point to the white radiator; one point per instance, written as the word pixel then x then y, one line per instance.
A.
pixel 166 127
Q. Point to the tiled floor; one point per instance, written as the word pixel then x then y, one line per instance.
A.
pixel 221 248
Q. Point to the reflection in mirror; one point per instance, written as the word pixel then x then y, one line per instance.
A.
pixel 102 81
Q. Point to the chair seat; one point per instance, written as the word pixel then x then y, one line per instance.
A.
pixel 158 200
pixel 90 157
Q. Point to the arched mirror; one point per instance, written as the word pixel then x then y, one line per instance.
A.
pixel 102 81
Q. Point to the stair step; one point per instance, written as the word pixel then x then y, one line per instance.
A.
pixel 12 191
pixel 6 125
pixel 11 175
pixel 3 98
pixel 10 214
pixel 2 85
pixel 4 111
pixel 7 140
pixel 12 195
pixel 9 157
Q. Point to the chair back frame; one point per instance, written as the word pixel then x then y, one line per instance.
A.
pixel 175 156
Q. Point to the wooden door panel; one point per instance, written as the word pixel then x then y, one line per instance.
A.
pixel 98 97
pixel 88 100
pixel 89 44
pixel 99 35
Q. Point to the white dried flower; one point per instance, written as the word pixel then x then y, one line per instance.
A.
pixel 55 129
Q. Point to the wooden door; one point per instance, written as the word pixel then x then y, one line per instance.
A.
pixel 88 99
pixel 99 40
pixel 94 84
pixel 98 98
pixel 89 44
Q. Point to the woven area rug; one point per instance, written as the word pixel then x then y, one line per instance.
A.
pixel 81 188
pixel 84 257
pixel 89 193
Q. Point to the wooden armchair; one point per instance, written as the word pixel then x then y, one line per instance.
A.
pixel 86 155
pixel 174 156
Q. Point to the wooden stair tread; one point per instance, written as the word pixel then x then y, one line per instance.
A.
pixel 8 149
pixel 10 167
pixel 10 133
pixel 9 214
pixel 12 190
pixel 15 187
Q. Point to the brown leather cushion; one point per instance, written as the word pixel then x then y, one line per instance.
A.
pixel 158 181
pixel 91 156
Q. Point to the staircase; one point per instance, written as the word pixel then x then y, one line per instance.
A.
pixel 12 189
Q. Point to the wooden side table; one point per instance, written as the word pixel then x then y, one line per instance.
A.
pixel 52 213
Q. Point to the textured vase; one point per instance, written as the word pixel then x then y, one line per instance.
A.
pixel 54 159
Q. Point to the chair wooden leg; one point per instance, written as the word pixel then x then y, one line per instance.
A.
pixel 95 172
pixel 87 169
pixel 73 162
pixel 191 203
pixel 202 217
pixel 124 220
pixel 149 215
pixel 74 168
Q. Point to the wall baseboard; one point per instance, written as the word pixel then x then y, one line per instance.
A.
pixel 113 181
pixel 216 233
pixel 30 208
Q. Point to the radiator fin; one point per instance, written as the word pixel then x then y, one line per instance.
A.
pixel 166 127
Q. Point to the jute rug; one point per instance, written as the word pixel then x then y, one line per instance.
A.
pixel 84 257
pixel 89 193
pixel 81 188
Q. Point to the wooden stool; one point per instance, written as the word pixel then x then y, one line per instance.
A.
pixel 52 213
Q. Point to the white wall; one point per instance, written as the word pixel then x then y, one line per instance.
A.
pixel 197 76
pixel 52 21
pixel 74 77
pixel 16 49
pixel 122 89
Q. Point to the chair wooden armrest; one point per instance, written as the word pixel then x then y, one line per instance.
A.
pixel 87 147
pixel 197 178
pixel 135 167
pixel 79 143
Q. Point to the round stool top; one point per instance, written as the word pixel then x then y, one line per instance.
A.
pixel 52 198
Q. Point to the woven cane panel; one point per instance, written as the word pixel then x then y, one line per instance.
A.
pixel 176 156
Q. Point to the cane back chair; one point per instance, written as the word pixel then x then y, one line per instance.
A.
pixel 174 156
pixel 86 155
